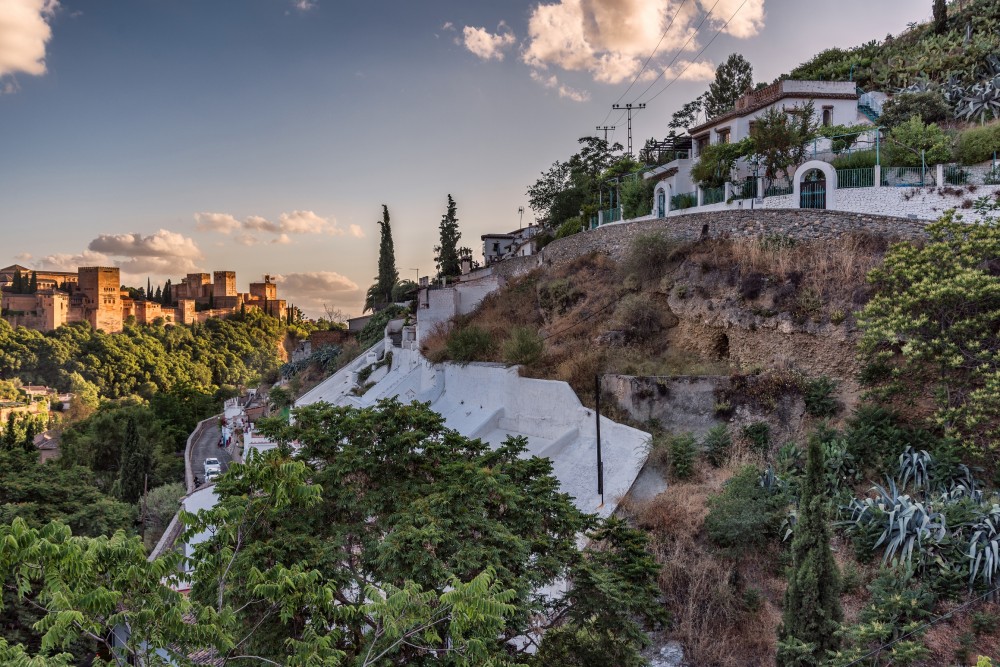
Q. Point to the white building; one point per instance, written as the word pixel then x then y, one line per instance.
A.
pixel 518 243
pixel 834 103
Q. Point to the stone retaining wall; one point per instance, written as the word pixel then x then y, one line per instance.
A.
pixel 802 224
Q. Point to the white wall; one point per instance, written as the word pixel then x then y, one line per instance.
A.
pixel 445 303
pixel 202 499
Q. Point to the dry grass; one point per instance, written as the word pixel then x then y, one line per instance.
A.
pixel 704 592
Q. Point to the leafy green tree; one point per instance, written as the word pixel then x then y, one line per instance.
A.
pixel 733 79
pixel 380 293
pixel 812 613
pixel 397 498
pixel 687 115
pixel 447 253
pixel 929 106
pixel 914 143
pixel 160 506
pixel 931 328
pixel 570 187
pixel 780 138
pixel 716 163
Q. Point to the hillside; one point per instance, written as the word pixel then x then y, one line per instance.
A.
pixel 769 331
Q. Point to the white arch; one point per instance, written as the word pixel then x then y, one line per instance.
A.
pixel 831 181
pixel 661 187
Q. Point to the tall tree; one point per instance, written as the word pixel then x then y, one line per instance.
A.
pixel 168 293
pixel 137 464
pixel 380 293
pixel 447 252
pixel 17 285
pixel 812 612
pixel 732 79
pixel 687 115
pixel 33 283
pixel 940 16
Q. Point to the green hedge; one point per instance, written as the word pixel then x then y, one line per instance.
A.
pixel 977 144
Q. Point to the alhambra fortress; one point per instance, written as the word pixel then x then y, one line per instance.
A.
pixel 94 294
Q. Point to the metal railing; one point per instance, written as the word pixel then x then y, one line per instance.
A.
pixel 684 200
pixel 778 190
pixel 713 196
pixel 856 178
pixel 611 215
pixel 745 190
pixel 908 177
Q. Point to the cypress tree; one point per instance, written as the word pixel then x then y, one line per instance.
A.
pixel 447 253
pixel 158 297
pixel 149 289
pixel 33 283
pixel 812 611
pixel 137 462
pixel 168 293
pixel 940 17
pixel 17 286
pixel 388 276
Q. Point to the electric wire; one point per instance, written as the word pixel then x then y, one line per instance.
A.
pixel 922 627
pixel 646 64
pixel 582 320
pixel 681 50
pixel 693 61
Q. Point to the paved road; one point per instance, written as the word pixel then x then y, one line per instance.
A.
pixel 207 446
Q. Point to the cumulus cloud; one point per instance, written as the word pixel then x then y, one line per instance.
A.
pixel 71 262
pixel 216 222
pixel 303 5
pixel 161 253
pixel 311 290
pixel 487 45
pixel 684 70
pixel 552 81
pixel 24 34
pixel 296 222
pixel 610 39
pixel 23 256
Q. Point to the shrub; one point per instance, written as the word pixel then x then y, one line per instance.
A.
pixel 638 318
pixel 855 160
pixel 758 434
pixel 525 346
pixel 682 453
pixel 649 255
pixel 469 344
pixel 569 227
pixel 716 445
pixel 558 296
pixel 977 144
pixel 909 138
pixel 929 106
pixel 637 197
pixel 745 517
pixel 818 396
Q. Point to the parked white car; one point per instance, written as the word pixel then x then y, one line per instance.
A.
pixel 213 468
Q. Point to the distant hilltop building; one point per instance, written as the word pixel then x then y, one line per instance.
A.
pixel 45 300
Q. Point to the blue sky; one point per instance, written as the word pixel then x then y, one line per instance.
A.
pixel 262 136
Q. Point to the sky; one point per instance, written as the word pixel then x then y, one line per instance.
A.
pixel 263 136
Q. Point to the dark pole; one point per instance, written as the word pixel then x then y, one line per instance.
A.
pixel 600 461
pixel 605 130
pixel 629 109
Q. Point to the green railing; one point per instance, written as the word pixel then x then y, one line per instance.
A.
pixel 907 177
pixel 856 178
pixel 778 190
pixel 682 201
pixel 611 215
pixel 745 190
pixel 955 175
pixel 713 196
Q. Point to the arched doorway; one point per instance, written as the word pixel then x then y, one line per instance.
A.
pixel 661 203
pixel 812 191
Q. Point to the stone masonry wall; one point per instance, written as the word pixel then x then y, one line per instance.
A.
pixel 802 224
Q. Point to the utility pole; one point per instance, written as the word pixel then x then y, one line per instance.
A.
pixel 629 108
pixel 605 129
pixel 597 415
pixel 520 216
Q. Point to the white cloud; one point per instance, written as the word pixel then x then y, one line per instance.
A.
pixel 552 81
pixel 163 243
pixel 448 25
pixel 296 222
pixel 71 262
pixel 357 232
pixel 303 5
pixel 685 70
pixel 610 39
pixel 216 222
pixel 487 45
pixel 23 256
pixel 24 34
pixel 311 290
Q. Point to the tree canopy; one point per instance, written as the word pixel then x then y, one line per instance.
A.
pixel 387 540
pixel 380 293
pixel 733 78
pixel 447 252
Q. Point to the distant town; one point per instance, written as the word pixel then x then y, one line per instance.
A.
pixel 45 300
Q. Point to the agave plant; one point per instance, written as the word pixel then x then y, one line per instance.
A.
pixel 984 547
pixel 906 523
pixel 916 466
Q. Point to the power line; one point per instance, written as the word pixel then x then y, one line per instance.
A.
pixel 582 320
pixel 681 50
pixel 718 32
pixel 605 129
pixel 923 627
pixel 628 110
pixel 646 64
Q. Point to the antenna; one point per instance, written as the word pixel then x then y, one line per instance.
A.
pixel 520 216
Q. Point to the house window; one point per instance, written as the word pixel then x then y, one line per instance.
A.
pixel 496 247
pixel 753 124
pixel 723 136
pixel 827 116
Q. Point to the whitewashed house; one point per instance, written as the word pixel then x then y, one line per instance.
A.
pixel 518 243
